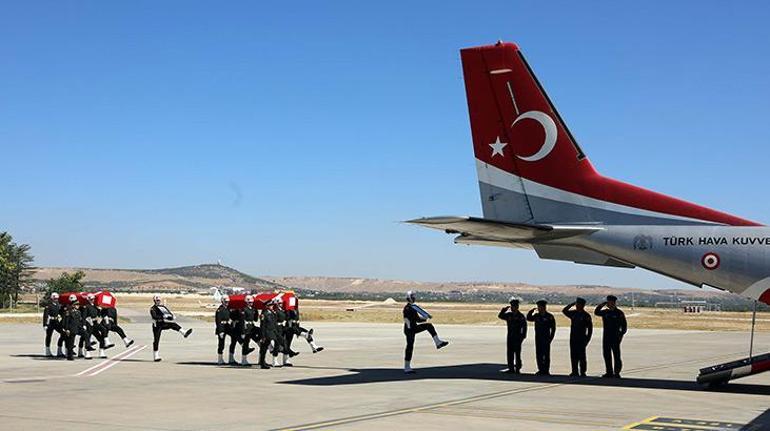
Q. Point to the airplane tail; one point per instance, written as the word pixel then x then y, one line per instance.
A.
pixel 530 167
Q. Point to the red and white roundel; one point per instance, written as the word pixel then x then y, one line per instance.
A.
pixel 710 261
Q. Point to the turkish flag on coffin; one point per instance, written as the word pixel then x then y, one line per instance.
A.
pixel 103 298
pixel 289 299
pixel 64 298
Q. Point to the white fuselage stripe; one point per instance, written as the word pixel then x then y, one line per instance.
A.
pixel 497 177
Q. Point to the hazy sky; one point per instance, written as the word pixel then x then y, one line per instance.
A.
pixel 292 140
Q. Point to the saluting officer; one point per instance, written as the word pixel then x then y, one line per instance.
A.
pixel 615 327
pixel 223 327
pixel 581 329
pixel 52 322
pixel 545 330
pixel 71 325
pixel 517 332
pixel 162 319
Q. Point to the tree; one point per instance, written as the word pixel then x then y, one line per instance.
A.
pixel 15 269
pixel 66 282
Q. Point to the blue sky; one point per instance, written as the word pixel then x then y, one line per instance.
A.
pixel 292 140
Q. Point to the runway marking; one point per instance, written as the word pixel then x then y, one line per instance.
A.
pixel 660 423
pixel 483 397
pixel 117 361
pixel 96 369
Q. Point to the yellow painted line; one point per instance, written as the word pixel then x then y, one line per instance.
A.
pixel 643 421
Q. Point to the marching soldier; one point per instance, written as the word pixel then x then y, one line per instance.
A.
pixel 545 330
pixel 269 327
pixel 71 325
pixel 89 314
pixel 236 333
pixel 615 327
pixel 279 344
pixel 52 322
pixel 416 321
pixel 517 332
pixel 581 329
pixel 293 328
pixel 223 327
pixel 162 319
pixel 250 329
pixel 110 324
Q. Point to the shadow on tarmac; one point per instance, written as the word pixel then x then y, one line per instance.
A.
pixel 492 372
pixel 761 422
pixel 39 357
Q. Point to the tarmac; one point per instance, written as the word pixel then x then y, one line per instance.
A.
pixel 357 383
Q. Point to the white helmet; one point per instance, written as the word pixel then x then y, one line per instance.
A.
pixel 410 297
pixel 249 299
pixel 73 299
pixel 156 299
pixel 225 299
pixel 54 296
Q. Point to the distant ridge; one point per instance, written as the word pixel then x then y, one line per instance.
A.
pixel 491 291
pixel 179 279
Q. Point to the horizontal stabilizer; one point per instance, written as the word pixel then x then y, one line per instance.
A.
pixel 478 230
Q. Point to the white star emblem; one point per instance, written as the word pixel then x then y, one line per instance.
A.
pixel 497 147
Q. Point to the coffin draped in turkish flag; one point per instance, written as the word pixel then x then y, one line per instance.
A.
pixel 288 298
pixel 103 298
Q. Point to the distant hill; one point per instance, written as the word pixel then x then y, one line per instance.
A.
pixel 200 278
pixel 367 288
pixel 182 279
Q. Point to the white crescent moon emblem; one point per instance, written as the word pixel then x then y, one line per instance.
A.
pixel 550 134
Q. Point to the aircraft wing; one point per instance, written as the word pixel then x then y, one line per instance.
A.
pixel 540 237
pixel 474 230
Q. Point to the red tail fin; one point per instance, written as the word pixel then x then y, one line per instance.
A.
pixel 530 166
pixel 507 104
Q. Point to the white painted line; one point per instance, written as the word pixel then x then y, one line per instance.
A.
pixel 117 361
pixel 103 363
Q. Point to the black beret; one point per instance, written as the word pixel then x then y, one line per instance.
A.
pixel 611 298
pixel 580 301
pixel 542 302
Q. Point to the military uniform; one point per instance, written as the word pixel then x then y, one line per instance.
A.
pixel 71 325
pixel 52 321
pixel 615 327
pixel 110 323
pixel 413 325
pixel 250 330
pixel 280 342
pixel 162 319
pixel 223 327
pixel 545 330
pixel 90 314
pixel 269 328
pixel 581 329
pixel 292 329
pixel 517 332
pixel 236 332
